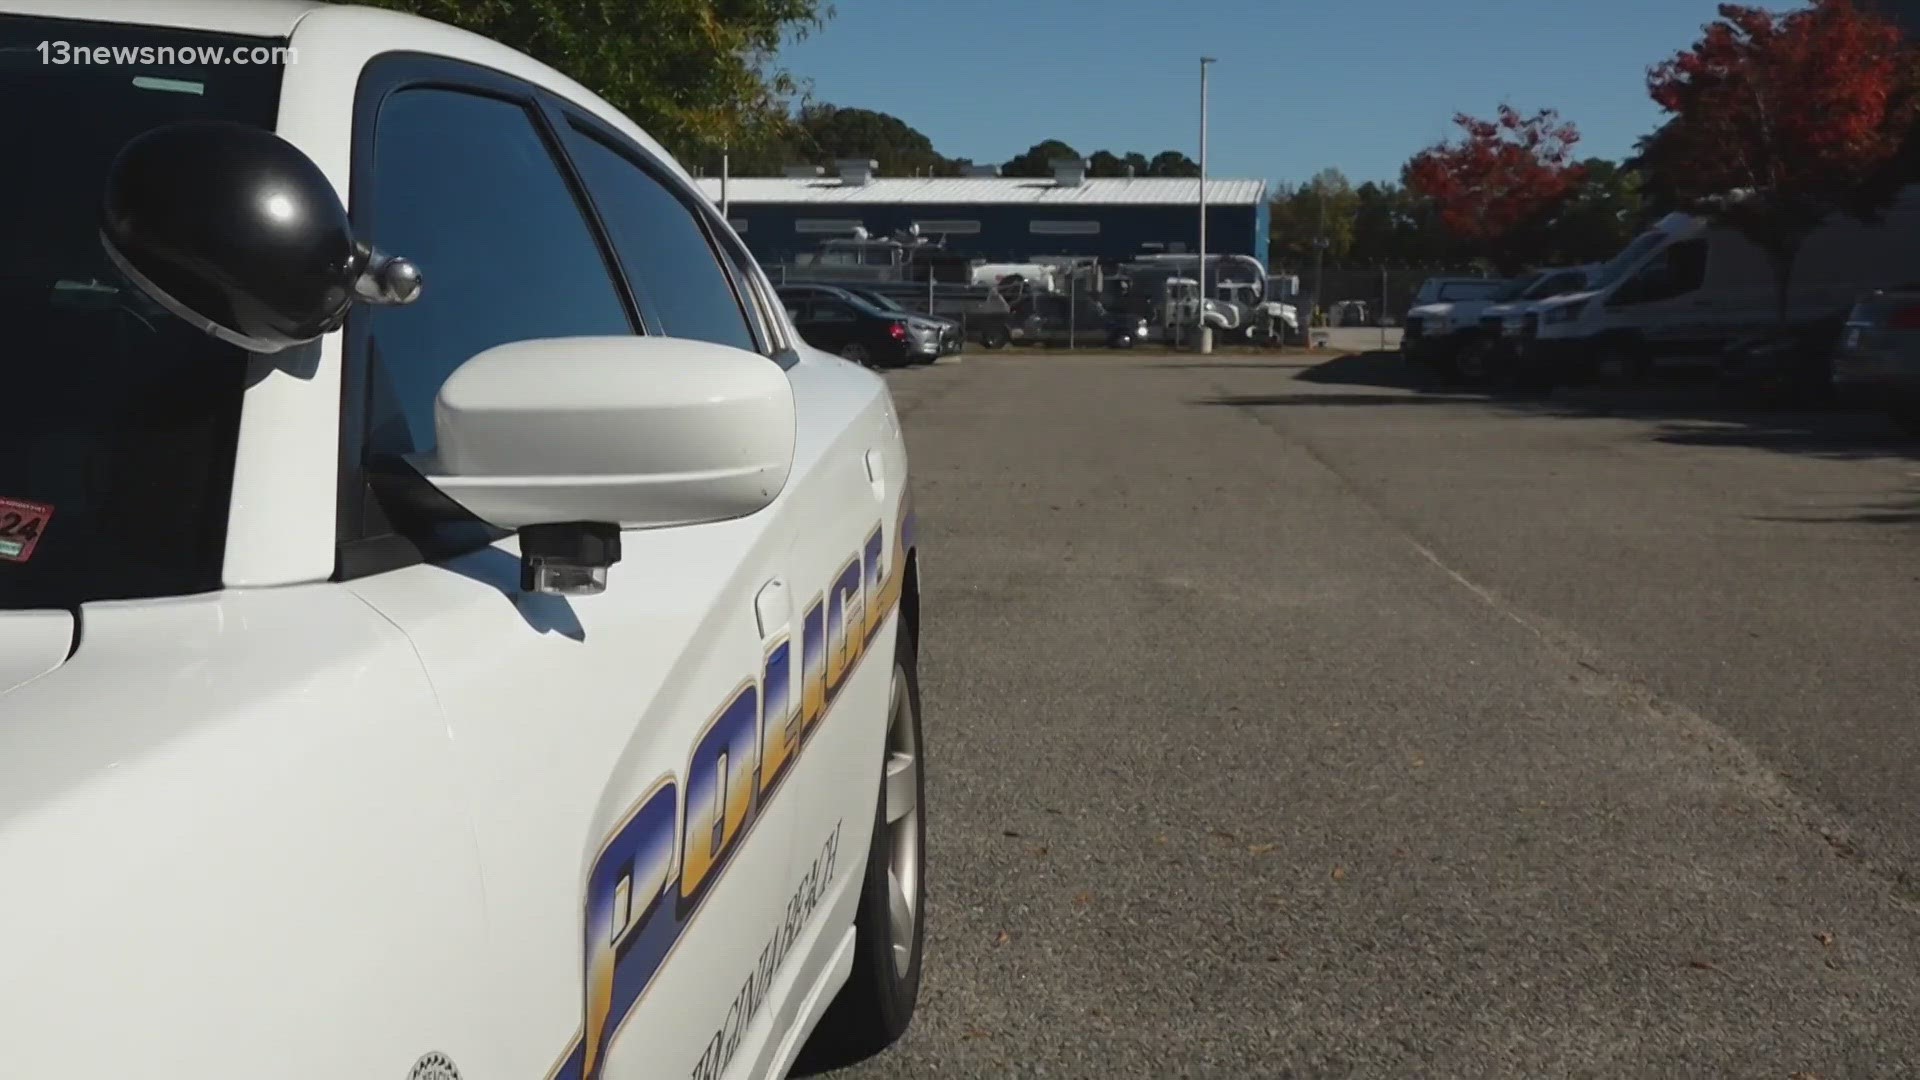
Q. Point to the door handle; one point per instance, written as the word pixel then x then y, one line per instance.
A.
pixel 877 474
pixel 772 609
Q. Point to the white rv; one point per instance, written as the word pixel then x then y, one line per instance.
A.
pixel 1681 292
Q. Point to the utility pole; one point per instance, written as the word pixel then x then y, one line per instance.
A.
pixel 726 146
pixel 1319 260
pixel 1206 332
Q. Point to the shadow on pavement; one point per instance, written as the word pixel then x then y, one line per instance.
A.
pixel 1684 411
pixel 1379 401
pixel 1902 511
pixel 1383 369
pixel 1247 365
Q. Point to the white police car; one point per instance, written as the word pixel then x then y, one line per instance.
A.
pixel 466 636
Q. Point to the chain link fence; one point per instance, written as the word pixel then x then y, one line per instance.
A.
pixel 1355 297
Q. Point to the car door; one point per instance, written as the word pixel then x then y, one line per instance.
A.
pixel 1664 305
pixel 608 746
pixel 831 324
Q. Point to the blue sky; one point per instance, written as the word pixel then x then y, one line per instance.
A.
pixel 1300 84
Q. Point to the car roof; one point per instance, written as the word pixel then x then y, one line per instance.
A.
pixel 859 302
pixel 249 18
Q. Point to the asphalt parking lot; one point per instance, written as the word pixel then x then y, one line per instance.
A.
pixel 1289 721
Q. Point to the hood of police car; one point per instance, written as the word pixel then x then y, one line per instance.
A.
pixel 32 643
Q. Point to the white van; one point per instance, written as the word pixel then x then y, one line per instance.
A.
pixel 1681 292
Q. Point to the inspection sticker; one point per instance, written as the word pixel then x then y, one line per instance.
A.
pixel 21 526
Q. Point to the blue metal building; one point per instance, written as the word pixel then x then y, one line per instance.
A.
pixel 1001 219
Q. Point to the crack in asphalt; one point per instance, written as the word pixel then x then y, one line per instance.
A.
pixel 1763 780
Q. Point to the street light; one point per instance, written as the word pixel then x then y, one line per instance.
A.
pixel 1206 332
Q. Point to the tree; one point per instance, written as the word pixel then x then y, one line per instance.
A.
pixel 1384 229
pixel 1331 200
pixel 1778 121
pixel 1038 160
pixel 1325 206
pixel 694 73
pixel 828 132
pixel 1605 211
pixel 1500 184
pixel 1105 163
pixel 1171 163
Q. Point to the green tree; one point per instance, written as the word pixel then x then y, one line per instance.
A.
pixel 1330 207
pixel 1606 210
pixel 1384 230
pixel 1107 163
pixel 1171 163
pixel 695 74
pixel 828 132
pixel 1038 160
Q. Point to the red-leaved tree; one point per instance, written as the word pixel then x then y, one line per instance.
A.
pixel 1777 121
pixel 1501 181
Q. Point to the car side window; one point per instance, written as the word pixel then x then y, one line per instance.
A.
pixel 664 251
pixel 465 186
pixel 1688 261
pixel 764 307
pixel 830 311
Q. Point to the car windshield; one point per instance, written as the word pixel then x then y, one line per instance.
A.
pixel 120 420
pixel 1629 258
pixel 1520 287
pixel 1550 285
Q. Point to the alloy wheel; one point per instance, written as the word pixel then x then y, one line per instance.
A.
pixel 903 823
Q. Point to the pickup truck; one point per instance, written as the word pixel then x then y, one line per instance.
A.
pixel 1437 334
pixel 1495 353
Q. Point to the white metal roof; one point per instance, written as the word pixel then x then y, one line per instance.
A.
pixel 248 18
pixel 1097 191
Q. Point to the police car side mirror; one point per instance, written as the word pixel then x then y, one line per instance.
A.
pixel 571 441
pixel 233 229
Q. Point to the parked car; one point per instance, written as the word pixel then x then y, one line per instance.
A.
pixel 1879 354
pixel 1052 319
pixel 408 666
pixel 836 321
pixel 1436 290
pixel 952 340
pixel 950 337
pixel 1498 352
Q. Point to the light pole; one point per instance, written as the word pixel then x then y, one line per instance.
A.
pixel 1206 332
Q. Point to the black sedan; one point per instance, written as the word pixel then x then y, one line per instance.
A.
pixel 951 336
pixel 836 321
